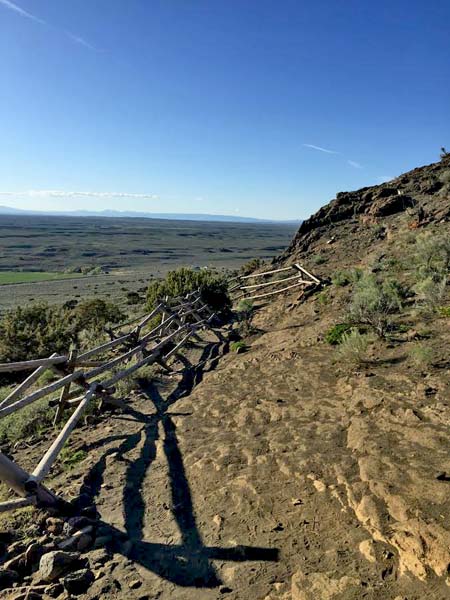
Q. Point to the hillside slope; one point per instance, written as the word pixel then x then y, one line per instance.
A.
pixel 288 472
pixel 415 199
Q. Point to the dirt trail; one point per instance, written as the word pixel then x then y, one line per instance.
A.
pixel 268 476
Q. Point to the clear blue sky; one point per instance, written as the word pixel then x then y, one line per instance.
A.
pixel 209 106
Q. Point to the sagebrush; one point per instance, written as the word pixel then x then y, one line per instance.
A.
pixel 213 288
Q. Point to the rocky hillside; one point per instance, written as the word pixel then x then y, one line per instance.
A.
pixel 421 197
pixel 313 466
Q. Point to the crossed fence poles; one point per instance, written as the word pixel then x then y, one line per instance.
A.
pixel 180 320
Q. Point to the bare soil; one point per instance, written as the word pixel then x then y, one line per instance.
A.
pixel 273 474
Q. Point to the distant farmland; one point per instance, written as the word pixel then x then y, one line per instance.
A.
pixel 37 251
pixel 30 276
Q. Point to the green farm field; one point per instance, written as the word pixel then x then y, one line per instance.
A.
pixel 43 257
pixel 30 276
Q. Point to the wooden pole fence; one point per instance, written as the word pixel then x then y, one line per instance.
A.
pixel 243 291
pixel 78 369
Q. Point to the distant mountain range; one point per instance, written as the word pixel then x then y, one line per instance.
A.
pixel 7 210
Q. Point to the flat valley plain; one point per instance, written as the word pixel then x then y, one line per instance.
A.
pixel 36 253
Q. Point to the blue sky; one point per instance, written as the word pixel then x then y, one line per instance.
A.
pixel 261 108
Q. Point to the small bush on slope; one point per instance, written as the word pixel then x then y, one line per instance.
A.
pixel 345 277
pixel 431 293
pixel 251 265
pixel 28 421
pixel 420 355
pixel 353 348
pixel 373 303
pixel 431 256
pixel 213 288
pixel 335 334
pixel 238 347
pixel 245 309
pixel 38 330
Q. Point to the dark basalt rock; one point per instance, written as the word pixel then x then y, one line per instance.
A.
pixel 7 578
pixel 389 206
pixel 78 582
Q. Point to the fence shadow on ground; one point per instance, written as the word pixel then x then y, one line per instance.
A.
pixel 188 563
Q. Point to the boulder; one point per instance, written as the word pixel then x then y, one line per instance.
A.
pixel 33 554
pixel 18 564
pixel 53 564
pixel 80 540
pixel 7 578
pixel 99 557
pixel 78 582
pixel 54 525
pixel 75 524
pixel 384 207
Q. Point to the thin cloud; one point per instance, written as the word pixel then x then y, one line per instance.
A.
pixel 79 40
pixel 21 11
pixel 27 15
pixel 321 149
pixel 66 194
pixel 354 164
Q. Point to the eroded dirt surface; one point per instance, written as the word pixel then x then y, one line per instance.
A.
pixel 276 477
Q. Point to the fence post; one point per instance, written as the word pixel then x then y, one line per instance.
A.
pixel 16 478
pixel 66 389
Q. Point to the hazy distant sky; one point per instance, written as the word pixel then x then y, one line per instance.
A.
pixel 256 107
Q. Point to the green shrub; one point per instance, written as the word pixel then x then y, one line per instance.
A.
pixel 35 331
pixel 324 298
pixel 38 330
pixel 402 328
pixel 444 311
pixel 386 264
pixel 213 288
pixel 252 265
pixel 146 372
pixel 133 298
pixel 344 277
pixel 431 257
pixel 47 377
pixel 373 303
pixel 431 293
pixel 70 457
pixel 353 348
pixel 238 347
pixel 420 355
pixel 319 259
pixel 335 334
pixel 245 309
pixel 26 422
pixel 340 278
pixel 127 384
pixel 96 314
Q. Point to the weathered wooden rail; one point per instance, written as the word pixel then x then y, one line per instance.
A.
pixel 245 286
pixel 82 380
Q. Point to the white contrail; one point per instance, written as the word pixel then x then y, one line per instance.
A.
pixel 314 147
pixel 21 11
pixel 27 15
pixel 354 164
